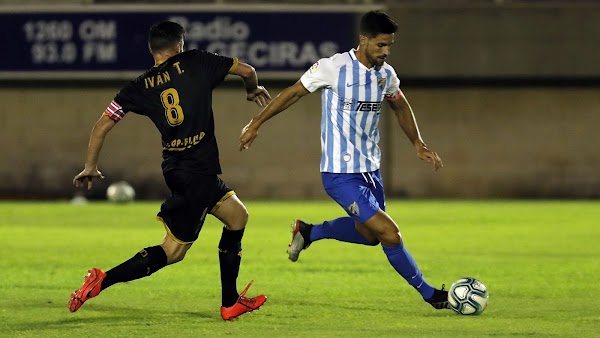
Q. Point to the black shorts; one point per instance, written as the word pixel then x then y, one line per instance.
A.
pixel 192 197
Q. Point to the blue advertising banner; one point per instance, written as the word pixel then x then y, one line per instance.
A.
pixel 100 43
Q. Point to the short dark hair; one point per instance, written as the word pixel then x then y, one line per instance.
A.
pixel 374 23
pixel 164 35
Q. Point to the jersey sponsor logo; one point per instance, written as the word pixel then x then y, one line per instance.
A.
pixel 368 106
pixel 179 144
pixel 352 84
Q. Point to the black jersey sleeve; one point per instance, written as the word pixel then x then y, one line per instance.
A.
pixel 127 97
pixel 215 65
pixel 123 103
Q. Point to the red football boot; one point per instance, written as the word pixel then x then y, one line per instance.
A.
pixel 89 289
pixel 243 305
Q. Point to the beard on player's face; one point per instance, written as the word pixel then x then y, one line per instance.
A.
pixel 376 57
pixel 375 53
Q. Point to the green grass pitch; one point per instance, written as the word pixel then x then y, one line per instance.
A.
pixel 539 259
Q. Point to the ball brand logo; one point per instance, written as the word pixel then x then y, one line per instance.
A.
pixel 368 106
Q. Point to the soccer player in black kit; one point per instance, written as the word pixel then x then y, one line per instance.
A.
pixel 176 94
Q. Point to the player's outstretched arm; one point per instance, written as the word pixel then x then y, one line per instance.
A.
pixel 285 99
pixel 408 123
pixel 254 92
pixel 101 128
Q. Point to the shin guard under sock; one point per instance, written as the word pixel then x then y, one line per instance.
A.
pixel 405 265
pixel 230 257
pixel 144 263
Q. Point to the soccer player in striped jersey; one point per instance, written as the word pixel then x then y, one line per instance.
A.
pixel 353 86
pixel 176 94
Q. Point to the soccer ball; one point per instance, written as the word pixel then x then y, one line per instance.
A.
pixel 120 192
pixel 468 296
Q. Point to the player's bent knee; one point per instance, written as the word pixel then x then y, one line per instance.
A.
pixel 239 221
pixel 233 214
pixel 244 216
pixel 175 252
pixel 175 257
pixel 391 239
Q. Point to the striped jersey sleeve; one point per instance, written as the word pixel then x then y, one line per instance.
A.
pixel 393 92
pixel 125 101
pixel 321 74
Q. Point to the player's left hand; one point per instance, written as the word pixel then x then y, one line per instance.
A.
pixel 429 156
pixel 260 95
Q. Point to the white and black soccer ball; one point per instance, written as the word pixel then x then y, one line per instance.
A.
pixel 468 296
pixel 120 192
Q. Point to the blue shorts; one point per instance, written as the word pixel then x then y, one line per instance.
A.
pixel 361 195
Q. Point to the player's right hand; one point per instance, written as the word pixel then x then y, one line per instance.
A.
pixel 87 174
pixel 260 95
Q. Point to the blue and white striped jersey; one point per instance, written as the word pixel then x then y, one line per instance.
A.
pixel 351 102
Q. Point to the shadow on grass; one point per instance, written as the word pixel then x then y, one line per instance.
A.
pixel 106 315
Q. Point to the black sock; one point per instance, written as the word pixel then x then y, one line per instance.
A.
pixel 144 263
pixel 230 256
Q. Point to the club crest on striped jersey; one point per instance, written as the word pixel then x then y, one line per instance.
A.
pixel 381 82
pixel 348 103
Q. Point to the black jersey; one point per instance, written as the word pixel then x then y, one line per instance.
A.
pixel 177 96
